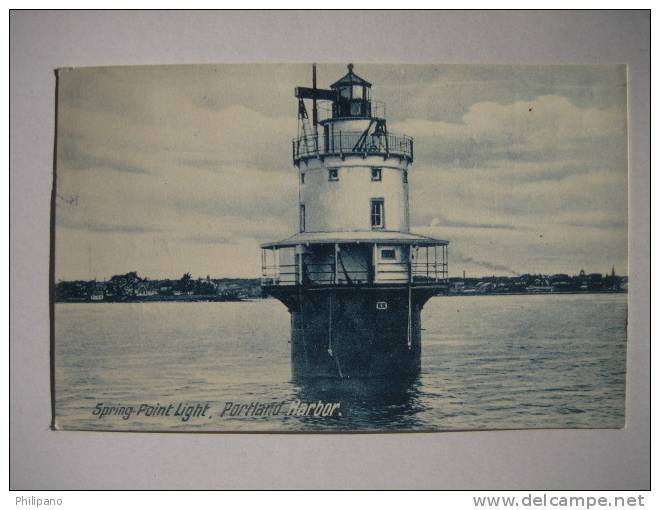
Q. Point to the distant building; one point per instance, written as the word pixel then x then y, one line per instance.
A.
pixel 122 286
pixel 143 289
pixel 97 292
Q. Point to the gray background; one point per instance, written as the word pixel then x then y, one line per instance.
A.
pixel 561 459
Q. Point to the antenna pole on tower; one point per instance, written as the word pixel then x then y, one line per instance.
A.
pixel 315 115
pixel 314 110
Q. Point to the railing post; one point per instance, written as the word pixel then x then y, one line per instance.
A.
pixel 335 280
pixel 263 264
pixel 296 266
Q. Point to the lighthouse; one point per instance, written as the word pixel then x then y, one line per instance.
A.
pixel 353 276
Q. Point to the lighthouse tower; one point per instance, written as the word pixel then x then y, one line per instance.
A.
pixel 354 278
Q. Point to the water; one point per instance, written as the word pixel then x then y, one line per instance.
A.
pixel 490 362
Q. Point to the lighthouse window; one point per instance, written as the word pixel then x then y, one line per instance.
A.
pixel 405 176
pixel 302 178
pixel 302 217
pixel 376 174
pixel 388 254
pixel 333 174
pixel 377 213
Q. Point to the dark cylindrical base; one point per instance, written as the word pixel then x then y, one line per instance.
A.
pixel 356 332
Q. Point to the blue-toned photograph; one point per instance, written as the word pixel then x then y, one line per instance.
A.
pixel 340 248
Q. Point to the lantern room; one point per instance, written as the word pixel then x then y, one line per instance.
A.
pixel 353 96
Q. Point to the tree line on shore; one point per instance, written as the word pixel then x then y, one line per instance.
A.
pixel 132 287
pixel 538 283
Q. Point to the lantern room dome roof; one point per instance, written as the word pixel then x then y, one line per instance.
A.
pixel 350 79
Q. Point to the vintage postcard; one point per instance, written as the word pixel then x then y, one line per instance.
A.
pixel 340 247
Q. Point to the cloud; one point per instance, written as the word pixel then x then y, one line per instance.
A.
pixel 547 128
pixel 444 222
pixel 447 92
pixel 446 199
pixel 109 228
pixel 211 239
pixel 72 155
pixel 176 165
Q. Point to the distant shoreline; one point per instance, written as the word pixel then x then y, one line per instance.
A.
pixel 224 299
pixel 161 299
pixel 553 293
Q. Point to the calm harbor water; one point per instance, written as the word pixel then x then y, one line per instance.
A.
pixel 488 362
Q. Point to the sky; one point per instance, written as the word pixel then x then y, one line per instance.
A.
pixel 171 169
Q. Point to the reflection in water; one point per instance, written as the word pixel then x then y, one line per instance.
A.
pixel 382 403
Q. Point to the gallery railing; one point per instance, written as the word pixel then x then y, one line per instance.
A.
pixel 428 272
pixel 352 142
pixel 429 264
pixel 312 274
pixel 420 273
